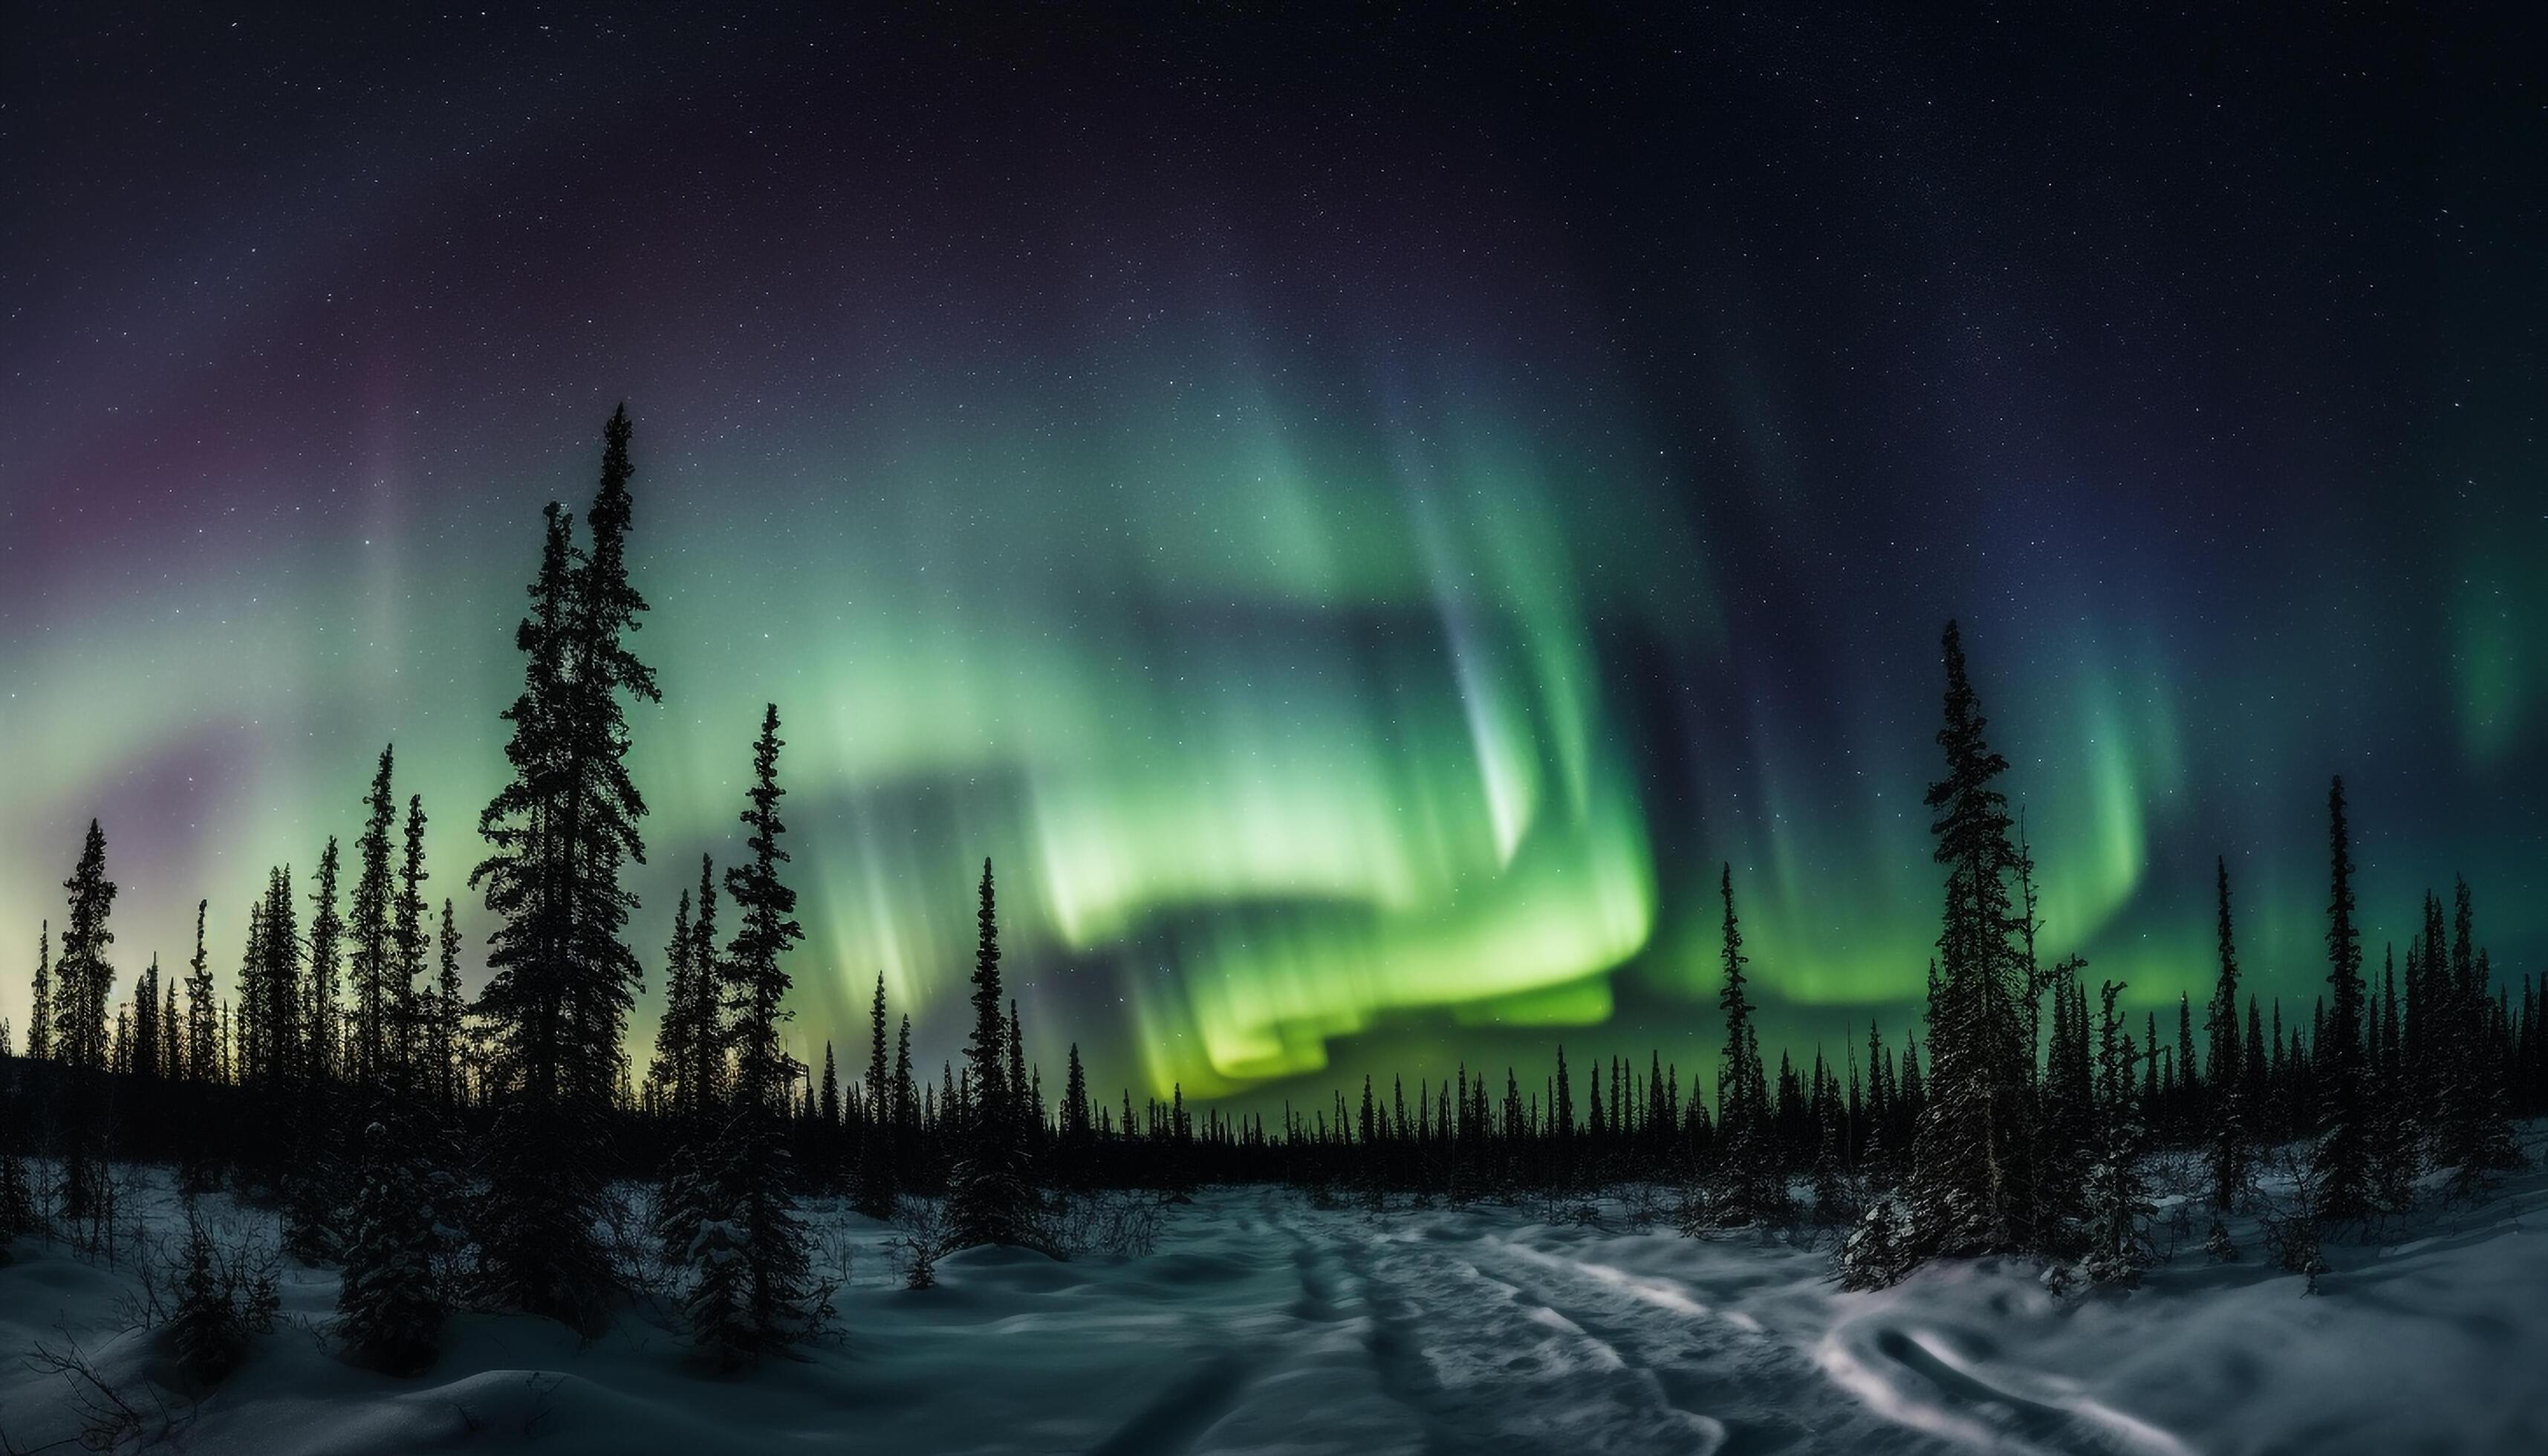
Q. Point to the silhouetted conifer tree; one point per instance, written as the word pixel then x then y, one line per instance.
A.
pixel 878 1191
pixel 2226 1137
pixel 39 1011
pixel 1744 1185
pixel 990 1199
pixel 2475 1136
pixel 2115 1198
pixel 560 981
pixel 749 1256
pixel 409 940
pixel 83 978
pixel 2343 1152
pixel 369 926
pixel 445 1043
pixel 2068 1103
pixel 388 1308
pixel 1970 1189
pixel 703 1041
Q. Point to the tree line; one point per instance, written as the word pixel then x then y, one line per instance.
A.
pixel 454 1150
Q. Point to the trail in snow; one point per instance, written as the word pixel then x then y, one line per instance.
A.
pixel 1264 1327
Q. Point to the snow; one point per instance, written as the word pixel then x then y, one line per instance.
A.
pixel 1262 1324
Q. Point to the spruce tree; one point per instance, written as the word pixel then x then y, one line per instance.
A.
pixel 2344 1152
pixel 445 1047
pixel 314 1178
pixel 1970 1189
pixel 1074 1107
pixel 2187 1102
pixel 2256 1063
pixel 1879 1102
pixel 412 1002
pixel 370 924
pixel 877 1192
pixel 704 1040
pixel 1023 1113
pixel 2475 1136
pixel 389 1308
pixel 198 1164
pixel 2115 1198
pixel 82 977
pixel 172 1032
pixel 2226 1136
pixel 327 941
pixel 827 1118
pixel 2396 1154
pixel 146 1024
pixel 560 981
pixel 906 1092
pixel 990 1200
pixel 664 1075
pixel 1745 1185
pixel 2069 1107
pixel 40 1012
pixel 750 1215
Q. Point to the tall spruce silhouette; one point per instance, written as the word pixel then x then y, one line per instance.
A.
pixel 444 1045
pixel 2226 1115
pixel 39 1008
pixel 2342 1182
pixel 990 1200
pixel 748 1256
pixel 370 924
pixel 81 981
pixel 1971 1186
pixel 666 1074
pixel 2474 1138
pixel 413 1005
pixel 560 981
pixel 878 1192
pixel 1746 1185
pixel 2115 1199
pixel 327 952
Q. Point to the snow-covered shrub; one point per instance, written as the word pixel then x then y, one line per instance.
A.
pixel 2220 1246
pixel 719 1297
pixel 225 1296
pixel 1878 1253
pixel 925 1235
pixel 17 1201
pixel 2117 1250
pixel 388 1308
pixel 2292 1237
pixel 1121 1221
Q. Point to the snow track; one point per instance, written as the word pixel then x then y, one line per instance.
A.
pixel 1265 1326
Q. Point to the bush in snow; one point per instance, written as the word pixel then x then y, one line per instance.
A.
pixel 223 1297
pixel 389 1309
pixel 17 1201
pixel 1878 1253
pixel 717 1306
pixel 2292 1237
pixel 2220 1246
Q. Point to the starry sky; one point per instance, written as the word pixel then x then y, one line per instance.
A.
pixel 1358 517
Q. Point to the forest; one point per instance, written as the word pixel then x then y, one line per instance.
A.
pixel 451 1150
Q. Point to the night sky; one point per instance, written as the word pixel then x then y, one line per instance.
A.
pixel 1357 519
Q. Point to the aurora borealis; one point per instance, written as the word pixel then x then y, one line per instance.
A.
pixel 1357 521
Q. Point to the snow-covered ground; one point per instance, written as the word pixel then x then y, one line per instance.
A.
pixel 1263 1324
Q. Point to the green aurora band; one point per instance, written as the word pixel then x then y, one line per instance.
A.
pixel 1294 725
